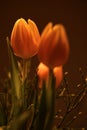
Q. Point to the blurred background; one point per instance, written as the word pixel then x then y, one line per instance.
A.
pixel 72 14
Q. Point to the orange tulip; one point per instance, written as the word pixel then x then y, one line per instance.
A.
pixel 54 47
pixel 25 38
pixel 43 74
pixel 58 73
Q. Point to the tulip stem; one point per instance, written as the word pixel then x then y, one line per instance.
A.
pixel 25 71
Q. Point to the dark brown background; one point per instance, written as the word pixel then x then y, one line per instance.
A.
pixel 73 14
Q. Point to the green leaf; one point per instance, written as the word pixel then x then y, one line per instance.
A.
pixel 45 115
pixel 50 101
pixel 15 82
pixel 14 72
pixel 18 122
pixel 40 119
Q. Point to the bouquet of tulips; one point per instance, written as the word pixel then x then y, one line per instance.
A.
pixel 32 101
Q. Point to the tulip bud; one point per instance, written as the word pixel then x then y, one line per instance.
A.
pixel 54 47
pixel 25 38
pixel 58 73
pixel 43 74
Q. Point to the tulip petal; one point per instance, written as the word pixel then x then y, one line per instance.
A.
pixel 46 29
pixel 34 29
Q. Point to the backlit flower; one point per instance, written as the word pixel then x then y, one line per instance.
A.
pixel 58 73
pixel 25 38
pixel 54 47
pixel 43 74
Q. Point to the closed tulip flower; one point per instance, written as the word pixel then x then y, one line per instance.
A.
pixel 58 73
pixel 43 74
pixel 25 38
pixel 54 47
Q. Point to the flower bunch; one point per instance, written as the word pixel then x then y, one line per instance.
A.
pixel 51 46
pixel 33 108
